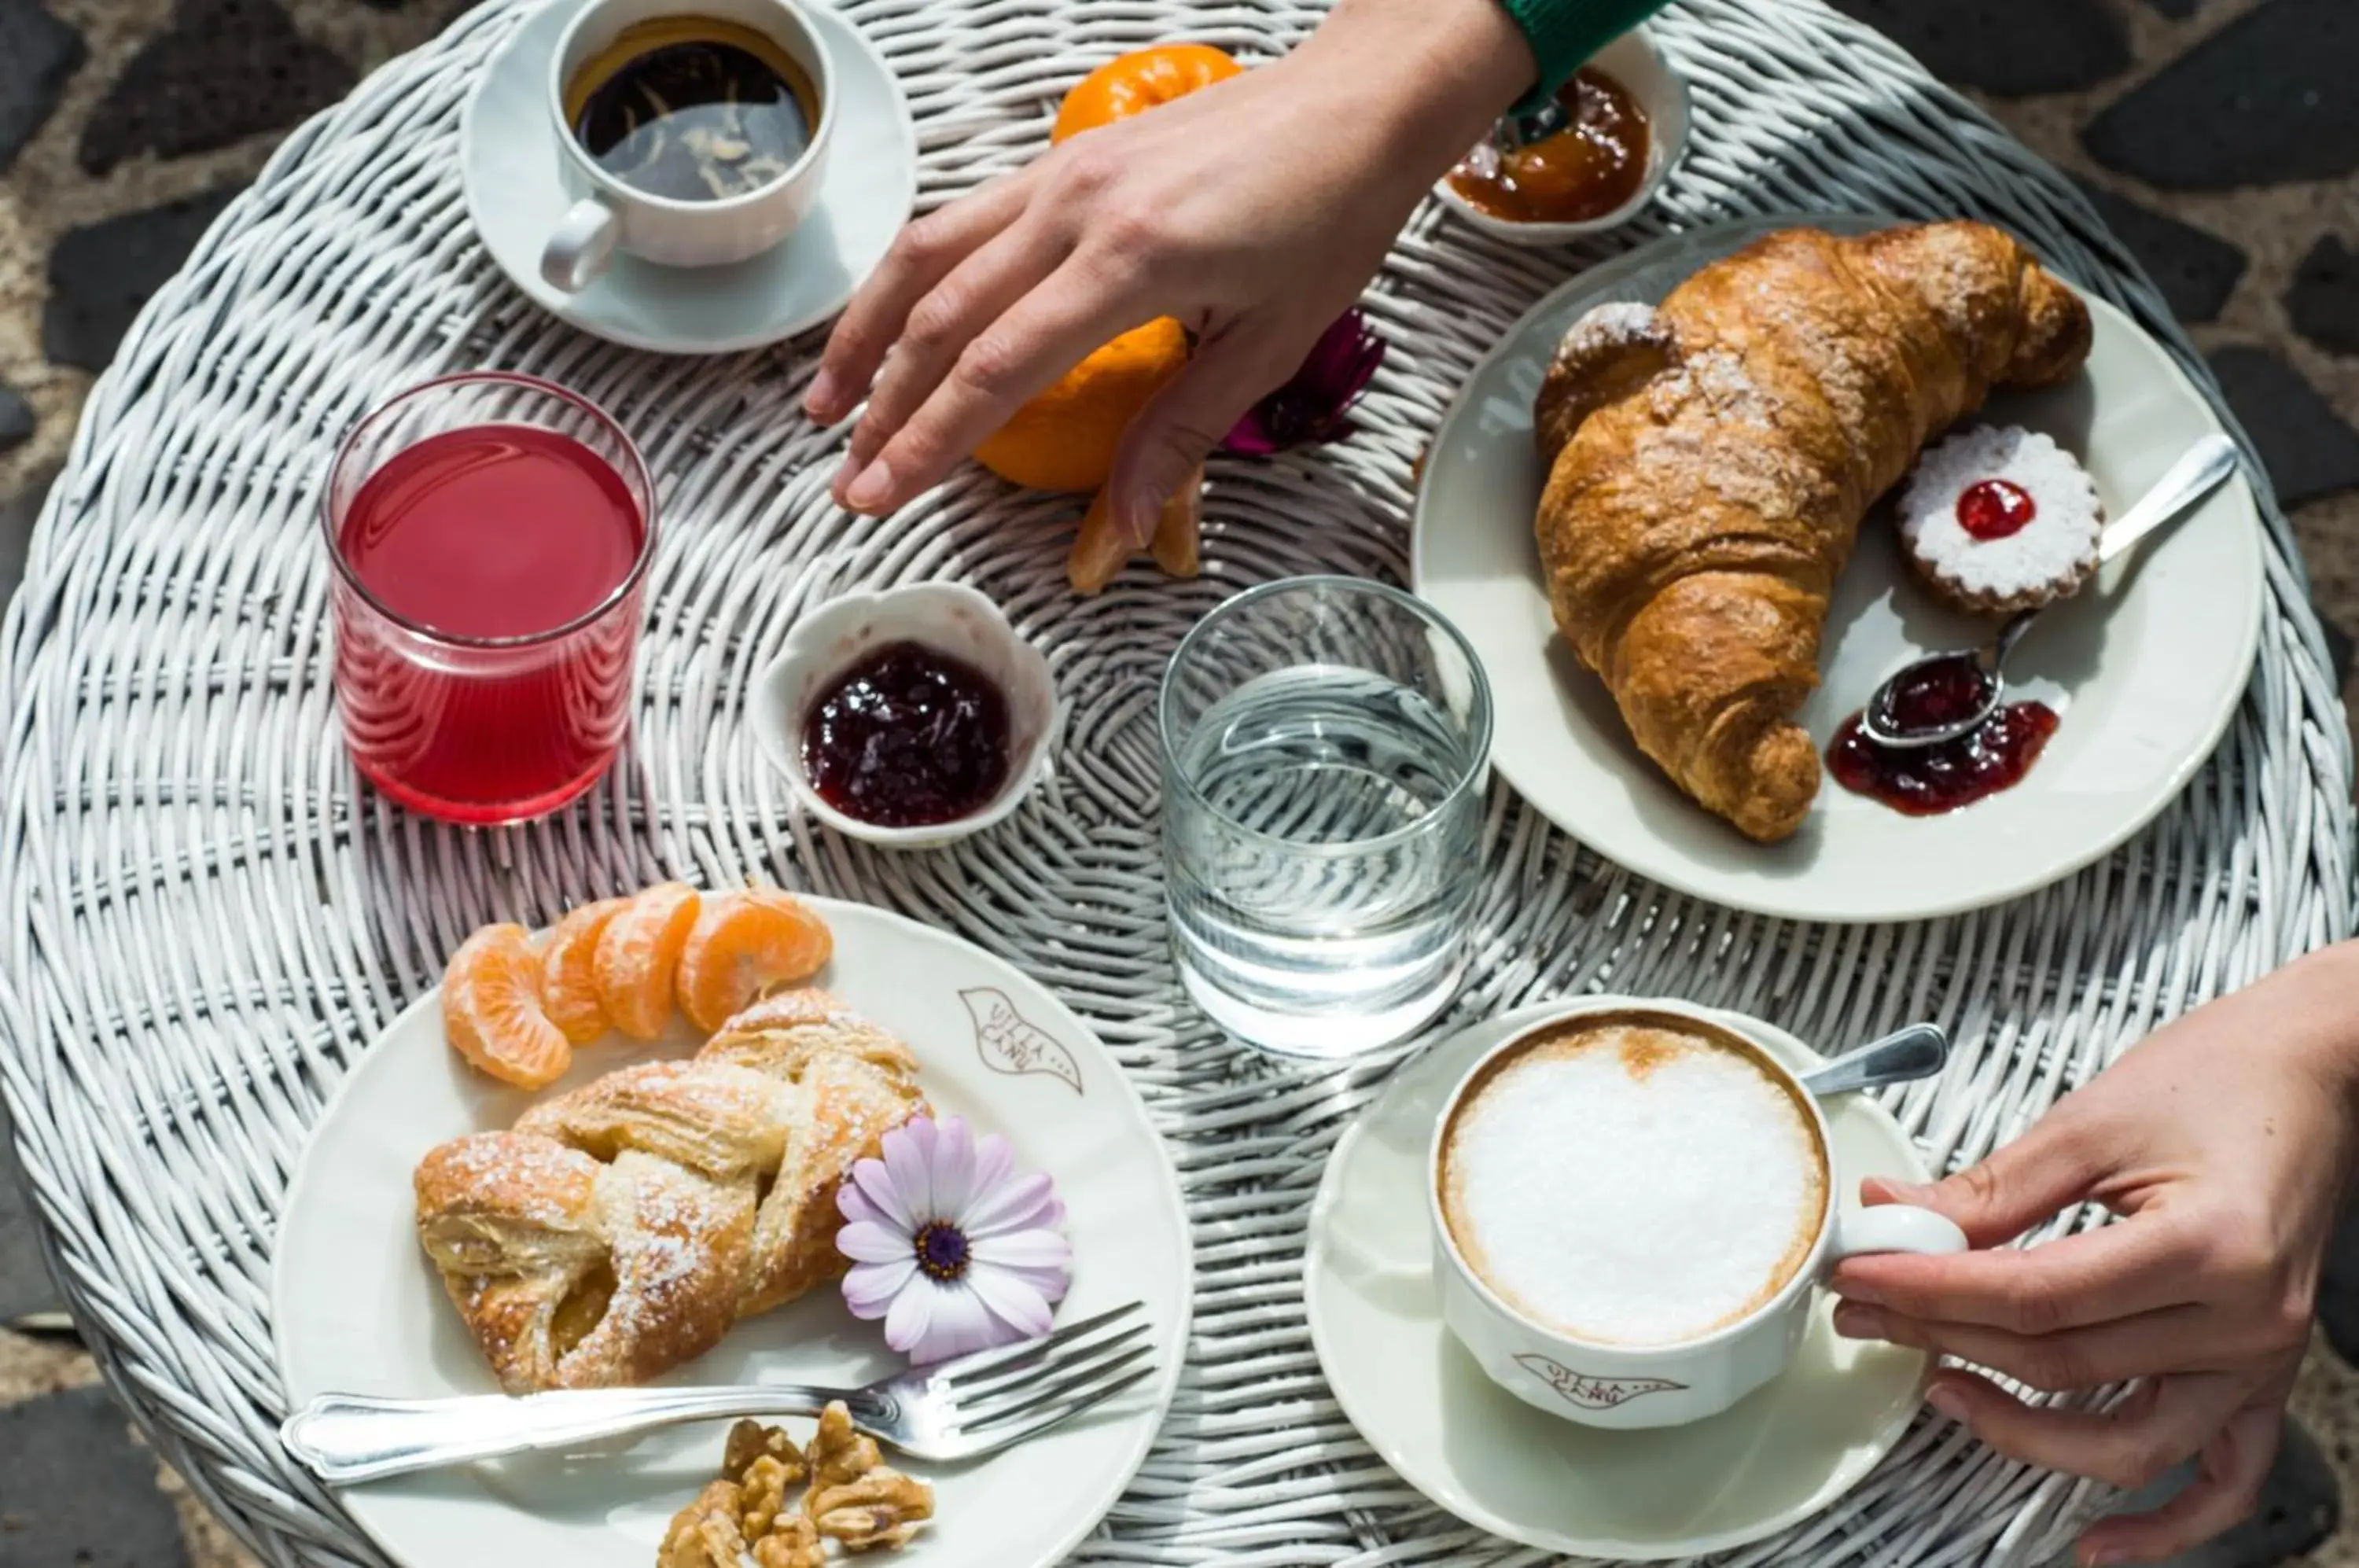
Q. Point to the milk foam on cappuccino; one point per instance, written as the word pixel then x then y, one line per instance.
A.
pixel 1633 1181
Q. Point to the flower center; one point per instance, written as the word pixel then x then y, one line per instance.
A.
pixel 942 1250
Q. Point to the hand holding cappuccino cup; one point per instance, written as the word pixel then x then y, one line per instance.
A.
pixel 1633 1210
pixel 690 133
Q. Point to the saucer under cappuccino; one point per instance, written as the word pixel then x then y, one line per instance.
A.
pixel 1634 1179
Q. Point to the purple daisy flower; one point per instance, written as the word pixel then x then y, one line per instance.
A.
pixel 949 1246
pixel 1315 404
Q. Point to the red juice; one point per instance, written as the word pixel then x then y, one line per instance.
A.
pixel 483 646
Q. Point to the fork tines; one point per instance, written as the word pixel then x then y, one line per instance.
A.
pixel 999 1396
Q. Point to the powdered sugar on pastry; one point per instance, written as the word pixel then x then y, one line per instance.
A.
pixel 2043 559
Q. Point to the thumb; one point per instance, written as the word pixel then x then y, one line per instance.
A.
pixel 2018 1186
pixel 1180 425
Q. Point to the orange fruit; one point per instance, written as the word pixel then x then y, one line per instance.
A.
pixel 491 1013
pixel 1065 438
pixel 568 972
pixel 742 945
pixel 637 952
pixel 1135 82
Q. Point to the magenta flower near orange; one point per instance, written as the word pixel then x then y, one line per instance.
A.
pixel 1315 403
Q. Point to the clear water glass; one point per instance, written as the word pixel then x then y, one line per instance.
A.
pixel 1326 743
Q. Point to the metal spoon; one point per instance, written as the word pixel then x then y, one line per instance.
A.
pixel 2191 478
pixel 1512 132
pixel 1918 1051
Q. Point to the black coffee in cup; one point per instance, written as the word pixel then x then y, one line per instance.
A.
pixel 693 108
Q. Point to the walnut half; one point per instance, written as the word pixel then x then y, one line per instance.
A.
pixel 704 1534
pixel 840 1451
pixel 794 1543
pixel 880 1508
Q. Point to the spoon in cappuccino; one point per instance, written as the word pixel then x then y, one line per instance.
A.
pixel 1918 1051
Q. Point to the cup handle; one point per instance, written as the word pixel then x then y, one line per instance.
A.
pixel 1894 1227
pixel 584 242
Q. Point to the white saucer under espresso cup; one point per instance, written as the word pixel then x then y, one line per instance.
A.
pixel 609 214
pixel 1655 1384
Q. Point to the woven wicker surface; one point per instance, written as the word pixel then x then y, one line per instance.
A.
pixel 216 919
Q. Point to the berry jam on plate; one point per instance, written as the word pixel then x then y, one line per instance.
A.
pixel 908 736
pixel 1925 781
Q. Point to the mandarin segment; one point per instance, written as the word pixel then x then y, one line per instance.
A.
pixel 491 1012
pixel 568 972
pixel 638 953
pixel 745 945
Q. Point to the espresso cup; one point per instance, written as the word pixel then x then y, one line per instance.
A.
pixel 1631 1385
pixel 609 214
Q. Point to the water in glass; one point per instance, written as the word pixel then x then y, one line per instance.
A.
pixel 1323 814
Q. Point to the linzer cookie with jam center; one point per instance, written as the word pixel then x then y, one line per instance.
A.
pixel 2001 520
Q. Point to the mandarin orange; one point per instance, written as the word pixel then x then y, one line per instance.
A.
pixel 743 945
pixel 638 953
pixel 491 1013
pixel 568 972
pixel 1065 438
pixel 1135 82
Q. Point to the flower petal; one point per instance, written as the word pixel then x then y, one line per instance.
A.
pixel 854 1204
pixel 1052 1284
pixel 870 1289
pixel 876 1185
pixel 959 1325
pixel 1025 1250
pixel 1012 1299
pixel 907 1148
pixel 912 1313
pixel 954 1167
pixel 1011 1206
pixel 864 1241
pixel 994 1161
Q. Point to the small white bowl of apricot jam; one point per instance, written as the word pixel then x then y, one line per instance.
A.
pixel 1628 124
pixel 907 718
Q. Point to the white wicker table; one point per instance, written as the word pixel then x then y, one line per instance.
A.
pixel 214 918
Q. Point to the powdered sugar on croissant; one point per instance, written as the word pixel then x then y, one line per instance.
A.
pixel 621 1229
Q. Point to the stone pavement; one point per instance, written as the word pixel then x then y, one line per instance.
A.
pixel 2221 137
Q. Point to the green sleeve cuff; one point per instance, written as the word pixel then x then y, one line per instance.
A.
pixel 1564 33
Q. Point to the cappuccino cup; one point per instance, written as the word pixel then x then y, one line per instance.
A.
pixel 1634 1207
pixel 690 133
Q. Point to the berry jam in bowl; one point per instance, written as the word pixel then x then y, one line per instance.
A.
pixel 907 718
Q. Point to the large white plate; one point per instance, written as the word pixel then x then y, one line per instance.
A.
pixel 1774 1459
pixel 2147 666
pixel 358 1309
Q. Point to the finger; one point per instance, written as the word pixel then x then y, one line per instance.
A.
pixel 1167 442
pixel 2177 1339
pixel 920 257
pixel 2142 1264
pixel 1037 339
pixel 2021 1184
pixel 977 293
pixel 2227 1484
pixel 2162 1423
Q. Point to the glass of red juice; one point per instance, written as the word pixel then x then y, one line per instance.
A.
pixel 490 535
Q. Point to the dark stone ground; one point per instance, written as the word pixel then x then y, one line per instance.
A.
pixel 2220 138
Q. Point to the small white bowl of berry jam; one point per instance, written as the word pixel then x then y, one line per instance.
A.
pixel 907 718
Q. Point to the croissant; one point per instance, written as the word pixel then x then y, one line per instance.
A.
pixel 1709 462
pixel 621 1229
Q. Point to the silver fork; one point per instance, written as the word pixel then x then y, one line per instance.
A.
pixel 960 1409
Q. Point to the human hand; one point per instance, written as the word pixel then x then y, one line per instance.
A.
pixel 1254 211
pixel 2227 1141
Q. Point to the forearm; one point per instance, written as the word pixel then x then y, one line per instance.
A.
pixel 1422 79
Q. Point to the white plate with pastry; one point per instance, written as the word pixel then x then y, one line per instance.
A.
pixel 358 1308
pixel 1713 456
pixel 1420 1399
